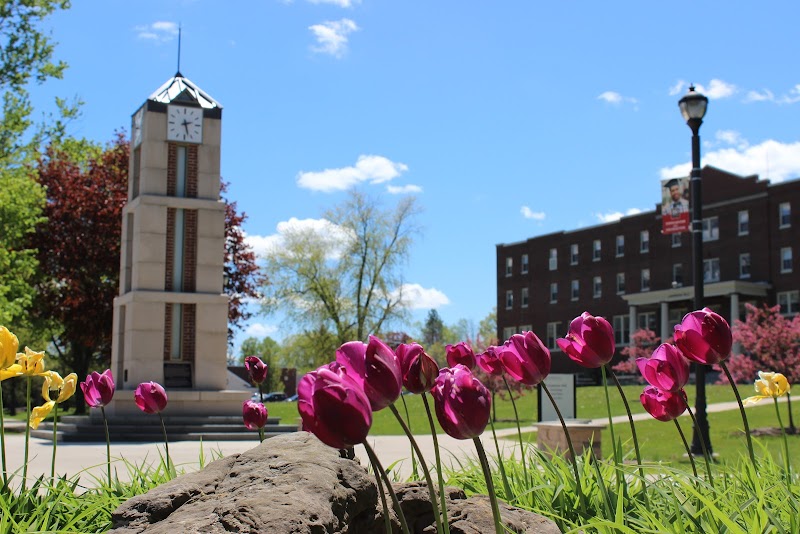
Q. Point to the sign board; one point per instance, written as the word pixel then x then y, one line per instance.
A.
pixel 675 205
pixel 562 388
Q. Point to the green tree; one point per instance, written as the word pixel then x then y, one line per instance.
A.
pixel 310 349
pixel 269 351
pixel 347 282
pixel 432 331
pixel 487 329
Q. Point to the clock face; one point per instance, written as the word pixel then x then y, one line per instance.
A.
pixel 137 127
pixel 184 124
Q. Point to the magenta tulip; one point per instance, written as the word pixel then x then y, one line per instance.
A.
pixel 666 369
pixel 334 407
pixel 98 389
pixel 663 405
pixel 704 337
pixel 375 368
pixel 462 403
pixel 590 341
pixel 525 358
pixel 489 361
pixel 460 353
pixel 254 415
pixel 150 397
pixel 256 369
pixel 419 370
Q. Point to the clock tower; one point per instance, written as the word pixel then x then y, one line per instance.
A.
pixel 171 315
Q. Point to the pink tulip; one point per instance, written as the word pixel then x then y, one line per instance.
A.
pixel 666 369
pixel 254 415
pixel 525 358
pixel 419 370
pixel 334 407
pixel 98 389
pixel 460 353
pixel 256 369
pixel 375 368
pixel 590 341
pixel 704 337
pixel 150 397
pixel 663 405
pixel 462 402
pixel 489 361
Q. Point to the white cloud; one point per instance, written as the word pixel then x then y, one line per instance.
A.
pixel 769 159
pixel 340 3
pixel 792 97
pixel 760 96
pixel 160 31
pixel 616 215
pixel 333 237
pixel 612 97
pixel 332 35
pixel 402 189
pixel 372 169
pixel 732 137
pixel 715 89
pixel 530 214
pixel 260 330
pixel 416 297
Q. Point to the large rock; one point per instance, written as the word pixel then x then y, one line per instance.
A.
pixel 296 484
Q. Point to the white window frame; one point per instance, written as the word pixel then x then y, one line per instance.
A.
pixel 597 250
pixel 573 254
pixel 646 319
pixel 524 297
pixel 552 336
pixel 509 266
pixel 524 262
pixel 509 331
pixel 645 277
pixel 621 324
pixel 677 272
pixel 597 287
pixel 676 240
pixel 644 241
pixel 789 302
pixel 620 246
pixel 553 292
pixel 574 290
pixel 743 218
pixel 620 282
pixel 744 265
pixel 784 215
pixel 509 299
pixel 709 267
pixel 553 262
pixel 786 259
pixel 711 229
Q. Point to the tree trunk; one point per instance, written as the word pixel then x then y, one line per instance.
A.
pixel 80 366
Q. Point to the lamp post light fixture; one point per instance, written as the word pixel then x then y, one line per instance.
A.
pixel 693 108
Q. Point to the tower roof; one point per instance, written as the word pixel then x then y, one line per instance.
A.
pixel 179 89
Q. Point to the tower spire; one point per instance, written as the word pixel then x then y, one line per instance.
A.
pixel 179 52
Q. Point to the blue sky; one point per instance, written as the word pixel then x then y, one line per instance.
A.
pixel 506 119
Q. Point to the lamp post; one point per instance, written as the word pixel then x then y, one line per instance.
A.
pixel 693 108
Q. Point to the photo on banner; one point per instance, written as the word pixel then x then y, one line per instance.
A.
pixel 675 205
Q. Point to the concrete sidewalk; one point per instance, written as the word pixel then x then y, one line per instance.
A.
pixel 88 459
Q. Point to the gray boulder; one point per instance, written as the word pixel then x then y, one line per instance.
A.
pixel 296 484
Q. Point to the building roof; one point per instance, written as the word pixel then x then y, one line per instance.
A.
pixel 179 89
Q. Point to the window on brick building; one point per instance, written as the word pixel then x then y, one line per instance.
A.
pixel 509 266
pixel 789 302
pixel 621 329
pixel 711 229
pixel 596 250
pixel 524 264
pixel 597 287
pixel 784 215
pixel 677 274
pixel 523 297
pixel 646 321
pixel 744 222
pixel 786 259
pixel 644 241
pixel 744 265
pixel 552 335
pixel 509 299
pixel 509 331
pixel 676 240
pixel 645 279
pixel 620 283
pixel 711 270
pixel 553 292
pixel 574 290
pixel 553 259
pixel 573 254
pixel 620 245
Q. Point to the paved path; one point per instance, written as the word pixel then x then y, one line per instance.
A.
pixel 88 459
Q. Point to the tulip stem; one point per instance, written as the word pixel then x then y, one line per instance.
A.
pixel 519 430
pixel 686 446
pixel 27 435
pixel 376 464
pixel 442 494
pixel 414 471
pixel 785 446
pixel 108 444
pixel 425 470
pixel 741 409
pixel 569 444
pixel 55 444
pixel 702 446
pixel 509 494
pixel 387 521
pixel 261 434
pixel 3 437
pixel 611 427
pixel 487 474
pixel 633 434
pixel 166 446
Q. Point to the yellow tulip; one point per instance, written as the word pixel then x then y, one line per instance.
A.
pixel 39 413
pixel 768 386
pixel 65 387
pixel 8 348
pixel 32 362
pixel 11 372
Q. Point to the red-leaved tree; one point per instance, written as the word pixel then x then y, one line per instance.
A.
pixel 643 343
pixel 769 341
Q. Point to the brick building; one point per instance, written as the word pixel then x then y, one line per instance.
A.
pixel 636 277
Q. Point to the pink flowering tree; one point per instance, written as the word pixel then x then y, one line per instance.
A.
pixel 767 341
pixel 643 343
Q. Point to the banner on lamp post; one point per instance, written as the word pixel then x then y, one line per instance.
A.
pixel 675 205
